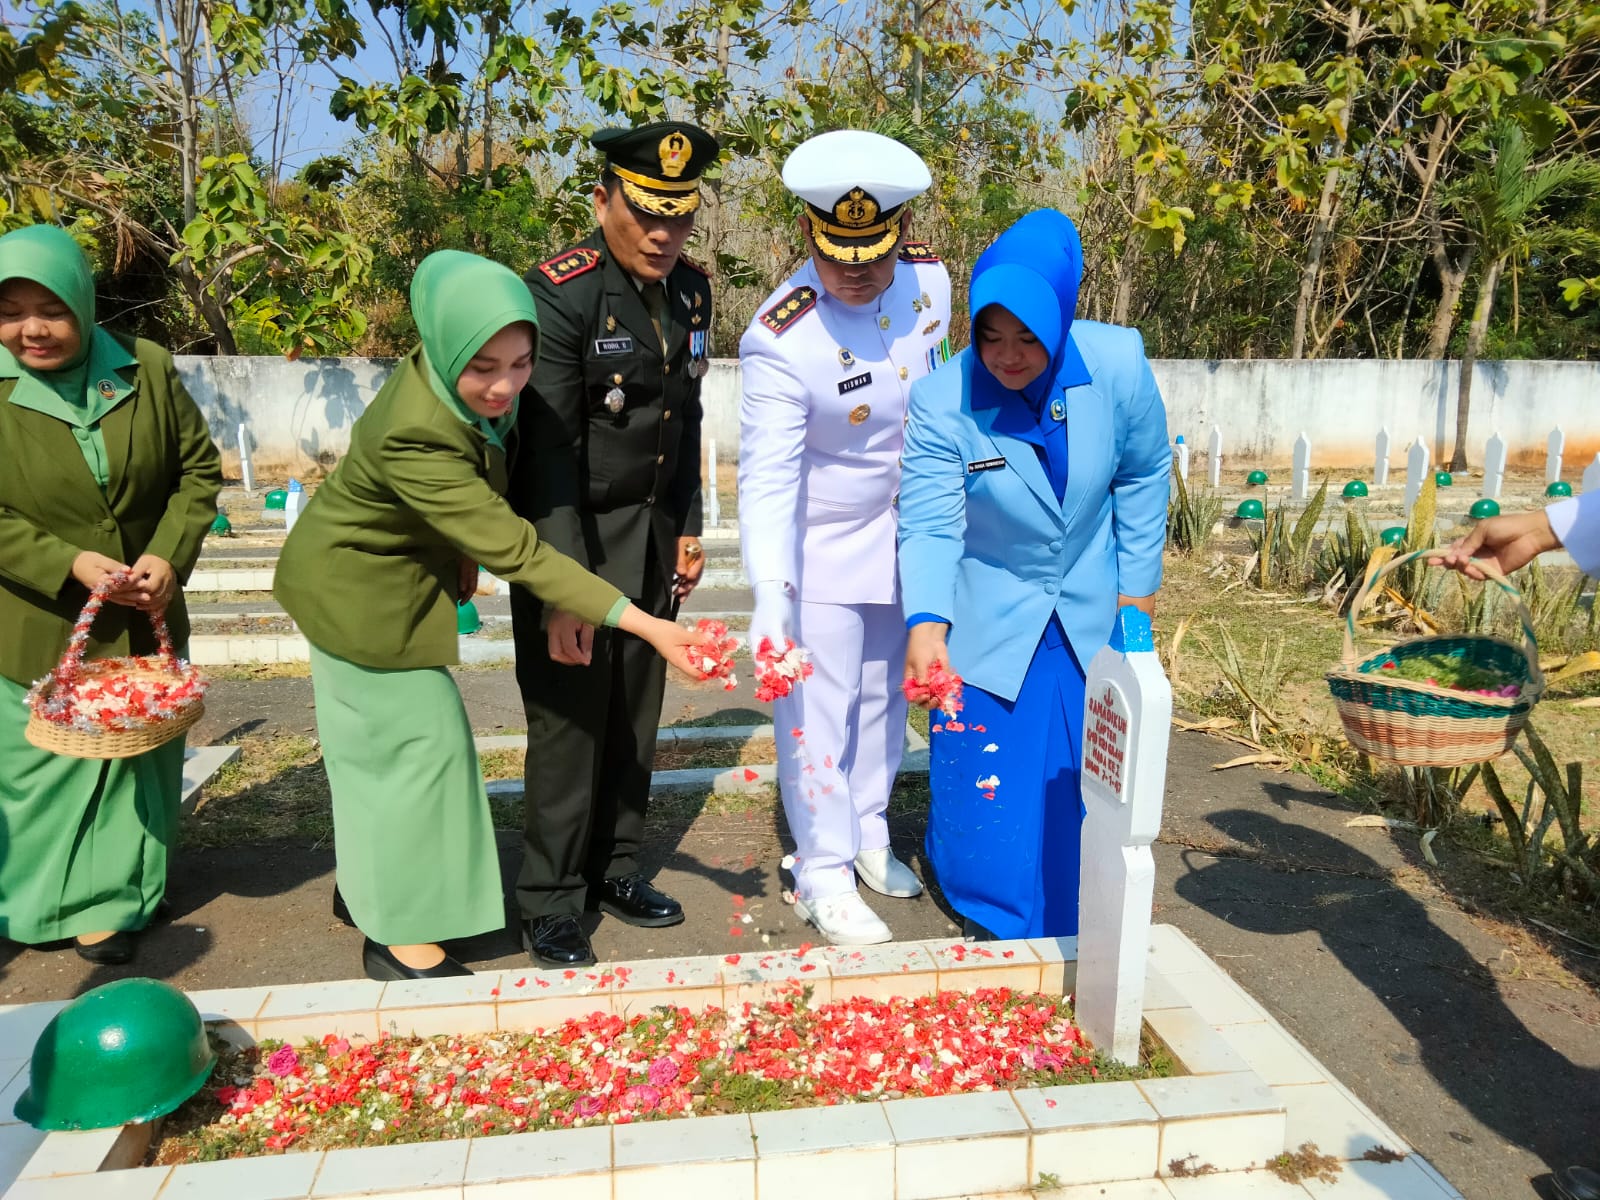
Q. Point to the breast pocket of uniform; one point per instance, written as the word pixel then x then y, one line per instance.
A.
pixel 615 386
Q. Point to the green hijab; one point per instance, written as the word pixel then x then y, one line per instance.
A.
pixel 459 302
pixel 89 387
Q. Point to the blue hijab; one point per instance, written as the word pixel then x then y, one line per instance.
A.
pixel 1033 270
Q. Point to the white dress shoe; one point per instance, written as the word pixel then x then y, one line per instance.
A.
pixel 885 874
pixel 845 920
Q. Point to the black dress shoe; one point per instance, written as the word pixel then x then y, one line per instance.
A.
pixel 633 901
pixel 340 911
pixel 1576 1183
pixel 971 931
pixel 380 964
pixel 557 941
pixel 112 952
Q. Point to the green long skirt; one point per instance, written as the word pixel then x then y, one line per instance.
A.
pixel 411 827
pixel 83 842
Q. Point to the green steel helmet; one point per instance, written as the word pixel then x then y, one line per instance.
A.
pixel 222 525
pixel 1559 488
pixel 1256 478
pixel 277 498
pixel 467 618
pixel 1355 489
pixel 1393 535
pixel 1485 508
pixel 1251 510
pixel 120 1054
pixel 1443 479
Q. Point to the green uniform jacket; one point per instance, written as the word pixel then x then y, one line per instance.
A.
pixel 600 485
pixel 369 572
pixel 160 499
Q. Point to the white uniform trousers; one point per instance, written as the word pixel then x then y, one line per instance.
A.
pixel 851 715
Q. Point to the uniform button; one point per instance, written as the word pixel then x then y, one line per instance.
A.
pixel 660 458
pixel 1050 589
pixel 904 373
pixel 649 499
pixel 108 526
pixel 666 368
pixel 1055 547
pixel 894 500
pixel 667 416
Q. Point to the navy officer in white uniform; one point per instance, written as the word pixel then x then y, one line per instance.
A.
pixel 828 365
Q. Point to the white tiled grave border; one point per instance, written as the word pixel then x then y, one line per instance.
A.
pixel 1251 1092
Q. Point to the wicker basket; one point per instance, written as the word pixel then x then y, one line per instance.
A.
pixel 54 726
pixel 1419 724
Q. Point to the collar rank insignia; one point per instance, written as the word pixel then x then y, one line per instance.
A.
pixel 789 309
pixel 571 264
pixel 918 252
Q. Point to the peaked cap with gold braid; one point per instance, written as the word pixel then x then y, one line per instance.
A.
pixel 854 184
pixel 659 165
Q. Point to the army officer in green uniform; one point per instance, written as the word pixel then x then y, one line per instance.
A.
pixel 372 573
pixel 106 466
pixel 610 474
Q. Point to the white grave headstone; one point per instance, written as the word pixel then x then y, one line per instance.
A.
pixel 293 503
pixel 1417 460
pixel 1214 455
pixel 713 504
pixel 247 470
pixel 1180 458
pixel 1554 449
pixel 1380 466
pixel 1127 715
pixel 1591 476
pixel 1300 482
pixel 1494 466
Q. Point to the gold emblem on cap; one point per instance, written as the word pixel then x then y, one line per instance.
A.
pixel 860 413
pixel 855 209
pixel 675 152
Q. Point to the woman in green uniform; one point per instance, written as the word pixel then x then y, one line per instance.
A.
pixel 372 574
pixel 106 465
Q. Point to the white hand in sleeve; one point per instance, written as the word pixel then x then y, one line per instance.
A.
pixel 774 615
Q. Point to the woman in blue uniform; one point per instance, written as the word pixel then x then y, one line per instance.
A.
pixel 1032 505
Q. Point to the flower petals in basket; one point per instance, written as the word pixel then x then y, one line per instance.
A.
pixel 113 707
pixel 1422 722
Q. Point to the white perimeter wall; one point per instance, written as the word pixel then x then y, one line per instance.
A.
pixel 299 412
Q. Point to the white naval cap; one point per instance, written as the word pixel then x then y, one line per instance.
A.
pixel 853 183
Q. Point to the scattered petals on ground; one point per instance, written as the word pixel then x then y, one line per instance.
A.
pixel 607 1069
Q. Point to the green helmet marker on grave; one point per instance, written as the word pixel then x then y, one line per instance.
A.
pixel 467 618
pixel 1256 478
pixel 1393 535
pixel 1251 510
pixel 1355 489
pixel 277 498
pixel 1559 488
pixel 123 1053
pixel 1443 479
pixel 1485 508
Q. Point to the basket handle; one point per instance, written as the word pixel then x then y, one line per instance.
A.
pixel 71 664
pixel 1530 645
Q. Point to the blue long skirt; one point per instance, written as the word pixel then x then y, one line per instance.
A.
pixel 1011 863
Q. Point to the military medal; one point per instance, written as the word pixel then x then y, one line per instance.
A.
pixel 860 413
pixel 1058 409
pixel 846 359
pixel 697 354
pixel 614 400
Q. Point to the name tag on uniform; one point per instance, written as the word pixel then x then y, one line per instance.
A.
pixel 613 345
pixel 854 382
pixel 985 464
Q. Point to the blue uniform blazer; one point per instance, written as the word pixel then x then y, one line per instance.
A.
pixel 983 541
